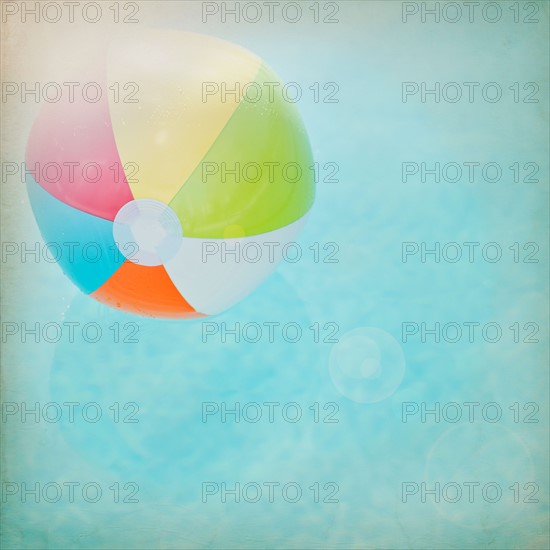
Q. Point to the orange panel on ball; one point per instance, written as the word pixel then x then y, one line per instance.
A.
pixel 144 290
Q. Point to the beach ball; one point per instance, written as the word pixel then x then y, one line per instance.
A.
pixel 168 176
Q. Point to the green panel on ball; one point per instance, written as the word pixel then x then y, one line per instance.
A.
pixel 265 142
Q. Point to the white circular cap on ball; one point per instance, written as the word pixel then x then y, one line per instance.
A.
pixel 147 232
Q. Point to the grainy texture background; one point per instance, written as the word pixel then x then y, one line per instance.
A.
pixel 170 371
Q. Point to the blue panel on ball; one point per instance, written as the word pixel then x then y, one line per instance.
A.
pixel 82 244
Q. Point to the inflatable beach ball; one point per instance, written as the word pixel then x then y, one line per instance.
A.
pixel 169 174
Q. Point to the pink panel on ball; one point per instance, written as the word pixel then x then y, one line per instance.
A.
pixel 72 152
